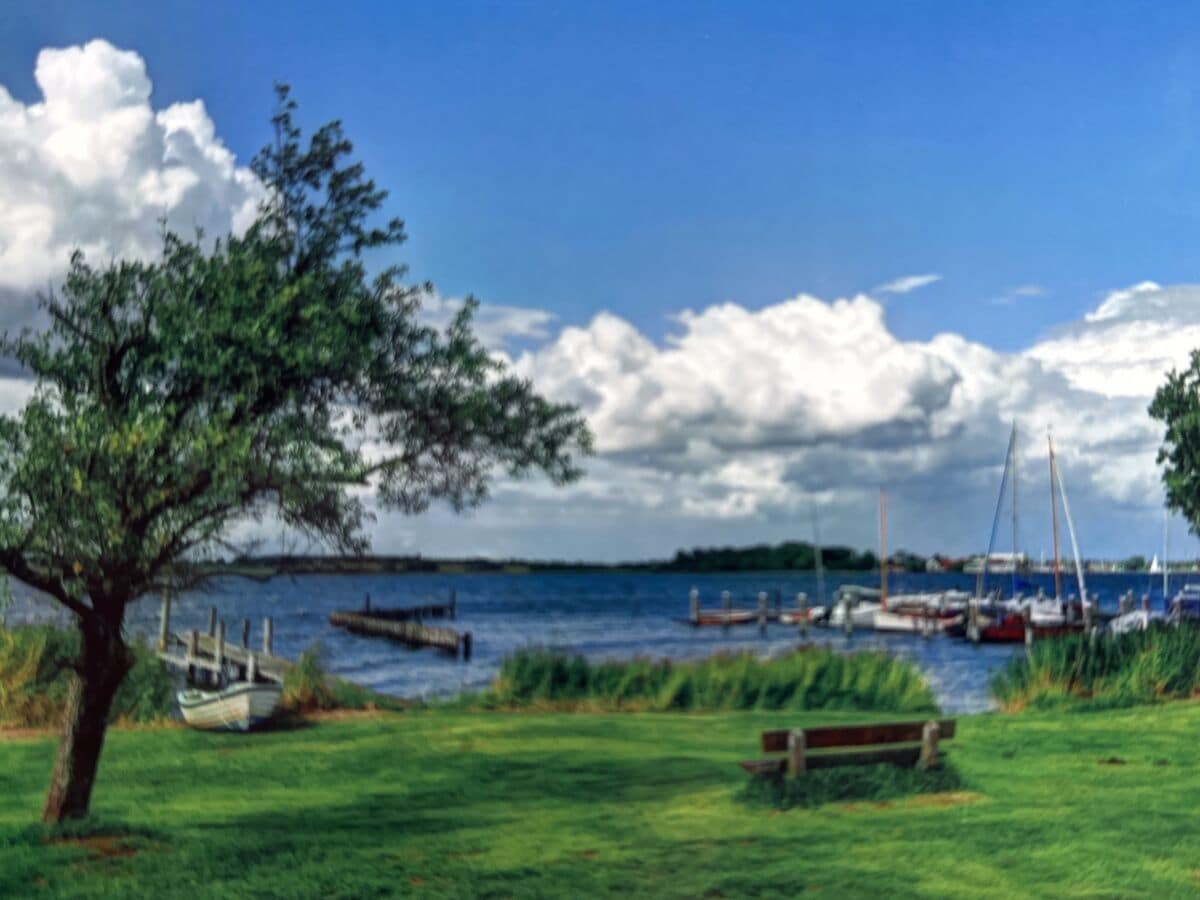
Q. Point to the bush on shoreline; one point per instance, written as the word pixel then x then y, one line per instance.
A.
pixel 35 676
pixel 1121 670
pixel 816 678
pixel 308 687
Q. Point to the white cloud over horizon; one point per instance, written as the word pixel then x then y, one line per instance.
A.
pixel 729 430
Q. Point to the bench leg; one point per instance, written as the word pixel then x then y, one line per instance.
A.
pixel 929 745
pixel 796 765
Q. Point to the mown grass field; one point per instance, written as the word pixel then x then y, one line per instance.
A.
pixel 485 804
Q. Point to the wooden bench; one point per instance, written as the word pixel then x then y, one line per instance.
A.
pixel 898 743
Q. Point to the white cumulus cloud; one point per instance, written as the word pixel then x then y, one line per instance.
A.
pixel 93 165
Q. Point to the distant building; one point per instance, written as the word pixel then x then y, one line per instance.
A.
pixel 998 563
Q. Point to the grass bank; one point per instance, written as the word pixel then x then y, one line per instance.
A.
pixel 816 678
pixel 457 804
pixel 1123 670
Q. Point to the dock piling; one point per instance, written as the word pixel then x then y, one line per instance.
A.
pixel 467 646
pixel 762 612
pixel 245 633
pixel 694 606
pixel 212 621
pixel 1027 616
pixel 268 635
pixel 164 624
pixel 219 653
pixel 251 667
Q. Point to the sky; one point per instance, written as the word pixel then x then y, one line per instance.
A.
pixel 781 254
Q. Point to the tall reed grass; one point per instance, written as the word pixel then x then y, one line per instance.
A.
pixel 816 678
pixel 35 672
pixel 1110 671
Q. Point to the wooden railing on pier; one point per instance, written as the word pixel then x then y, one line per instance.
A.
pixel 212 653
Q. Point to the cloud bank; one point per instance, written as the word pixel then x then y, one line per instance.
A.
pixel 734 428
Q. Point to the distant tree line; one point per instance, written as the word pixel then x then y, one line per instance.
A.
pixel 788 556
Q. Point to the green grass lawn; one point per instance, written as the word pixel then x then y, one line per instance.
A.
pixel 438 803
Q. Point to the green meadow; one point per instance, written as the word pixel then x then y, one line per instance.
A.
pixel 458 803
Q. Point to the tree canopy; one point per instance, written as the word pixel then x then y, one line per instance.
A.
pixel 267 374
pixel 1176 404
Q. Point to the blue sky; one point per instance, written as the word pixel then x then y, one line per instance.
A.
pixel 634 161
pixel 646 157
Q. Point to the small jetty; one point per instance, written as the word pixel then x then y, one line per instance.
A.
pixel 765 611
pixel 407 625
pixel 207 656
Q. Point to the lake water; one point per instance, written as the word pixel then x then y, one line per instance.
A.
pixel 599 615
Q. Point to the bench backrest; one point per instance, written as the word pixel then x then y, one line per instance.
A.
pixel 855 735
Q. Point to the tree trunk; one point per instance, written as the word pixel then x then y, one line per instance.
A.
pixel 100 668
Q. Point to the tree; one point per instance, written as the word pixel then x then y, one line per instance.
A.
pixel 1176 404
pixel 254 376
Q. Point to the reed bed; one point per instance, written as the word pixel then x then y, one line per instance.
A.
pixel 35 675
pixel 814 678
pixel 1121 670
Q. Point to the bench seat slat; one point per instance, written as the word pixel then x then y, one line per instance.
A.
pixel 855 735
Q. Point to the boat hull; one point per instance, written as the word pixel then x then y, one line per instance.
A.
pixel 239 707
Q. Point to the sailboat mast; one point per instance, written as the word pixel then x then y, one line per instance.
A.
pixel 1166 567
pixel 1062 492
pixel 1014 509
pixel 820 562
pixel 996 516
pixel 1054 522
pixel 883 566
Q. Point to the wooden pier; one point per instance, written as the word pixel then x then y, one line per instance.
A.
pixel 765 612
pixel 406 625
pixel 209 655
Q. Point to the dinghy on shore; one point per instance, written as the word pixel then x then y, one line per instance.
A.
pixel 239 706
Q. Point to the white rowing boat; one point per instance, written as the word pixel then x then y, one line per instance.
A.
pixel 238 707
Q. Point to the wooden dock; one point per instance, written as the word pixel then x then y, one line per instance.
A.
pixel 407 625
pixel 210 655
pixel 765 612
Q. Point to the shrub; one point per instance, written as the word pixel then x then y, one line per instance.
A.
pixel 809 679
pixel 308 687
pixel 35 677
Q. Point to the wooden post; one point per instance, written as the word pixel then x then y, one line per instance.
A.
pixel 694 606
pixel 847 618
pixel 245 634
pixel 466 646
pixel 802 613
pixel 212 621
pixel 1089 619
pixel 726 602
pixel 1027 616
pixel 973 620
pixel 762 612
pixel 268 634
pixel 193 651
pixel 164 624
pixel 1146 602
pixel 796 765
pixel 252 667
pixel 219 652
pixel 367 605
pixel 929 745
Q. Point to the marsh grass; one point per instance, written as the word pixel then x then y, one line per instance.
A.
pixel 1107 672
pixel 308 687
pixel 35 673
pixel 816 678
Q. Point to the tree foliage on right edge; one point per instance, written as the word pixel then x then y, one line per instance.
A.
pixel 1176 404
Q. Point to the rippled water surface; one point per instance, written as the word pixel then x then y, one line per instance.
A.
pixel 599 615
